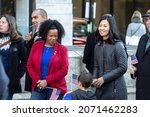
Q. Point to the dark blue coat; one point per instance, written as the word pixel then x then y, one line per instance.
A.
pixel 143 70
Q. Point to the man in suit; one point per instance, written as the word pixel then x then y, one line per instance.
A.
pixel 38 16
pixel 141 70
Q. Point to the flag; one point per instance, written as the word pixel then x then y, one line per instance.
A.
pixel 55 94
pixel 133 59
pixel 75 79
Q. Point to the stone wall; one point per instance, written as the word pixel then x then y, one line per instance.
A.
pixel 60 10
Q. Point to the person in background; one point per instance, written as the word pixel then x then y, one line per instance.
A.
pixel 48 62
pixel 13 53
pixel 3 83
pixel 135 29
pixel 141 68
pixel 38 16
pixel 84 91
pixel 88 57
pixel 110 62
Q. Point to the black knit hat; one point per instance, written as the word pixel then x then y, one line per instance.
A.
pixel 147 14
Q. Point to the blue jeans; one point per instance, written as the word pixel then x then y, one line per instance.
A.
pixel 43 94
pixel 10 96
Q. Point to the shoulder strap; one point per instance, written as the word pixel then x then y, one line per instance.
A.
pixel 136 30
pixel 5 43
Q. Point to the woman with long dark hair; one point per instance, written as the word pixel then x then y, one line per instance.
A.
pixel 110 61
pixel 13 53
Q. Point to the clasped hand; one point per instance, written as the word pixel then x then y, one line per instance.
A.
pixel 132 69
pixel 42 84
pixel 98 82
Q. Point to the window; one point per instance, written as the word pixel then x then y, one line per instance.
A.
pixel 7 7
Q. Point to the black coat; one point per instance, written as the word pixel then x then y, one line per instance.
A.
pixel 88 57
pixel 17 64
pixel 143 70
pixel 110 62
pixel 28 81
pixel 83 95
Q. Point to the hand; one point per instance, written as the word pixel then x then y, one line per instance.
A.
pixel 98 82
pixel 94 82
pixel 42 84
pixel 132 69
pixel 36 37
pixel 28 37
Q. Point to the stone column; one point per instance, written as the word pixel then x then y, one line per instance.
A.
pixel 22 16
pixel 62 11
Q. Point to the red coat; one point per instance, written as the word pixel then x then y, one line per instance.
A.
pixel 58 66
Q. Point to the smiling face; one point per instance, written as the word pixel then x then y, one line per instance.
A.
pixel 104 28
pixel 4 26
pixel 51 37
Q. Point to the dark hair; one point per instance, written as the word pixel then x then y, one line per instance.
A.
pixel 113 32
pixel 12 30
pixel 85 79
pixel 42 12
pixel 51 24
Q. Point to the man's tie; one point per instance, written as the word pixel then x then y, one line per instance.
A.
pixel 148 41
pixel 147 44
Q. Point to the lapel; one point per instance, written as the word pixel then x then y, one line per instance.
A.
pixel 147 50
pixel 141 47
pixel 144 46
pixel 40 48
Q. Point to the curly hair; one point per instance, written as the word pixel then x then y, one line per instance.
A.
pixel 12 30
pixel 51 24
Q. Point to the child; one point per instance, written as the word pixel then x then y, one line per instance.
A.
pixel 84 92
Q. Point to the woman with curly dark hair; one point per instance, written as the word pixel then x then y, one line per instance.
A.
pixel 13 53
pixel 48 62
pixel 110 61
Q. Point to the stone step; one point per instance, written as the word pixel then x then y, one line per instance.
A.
pixel 27 95
pixel 22 96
